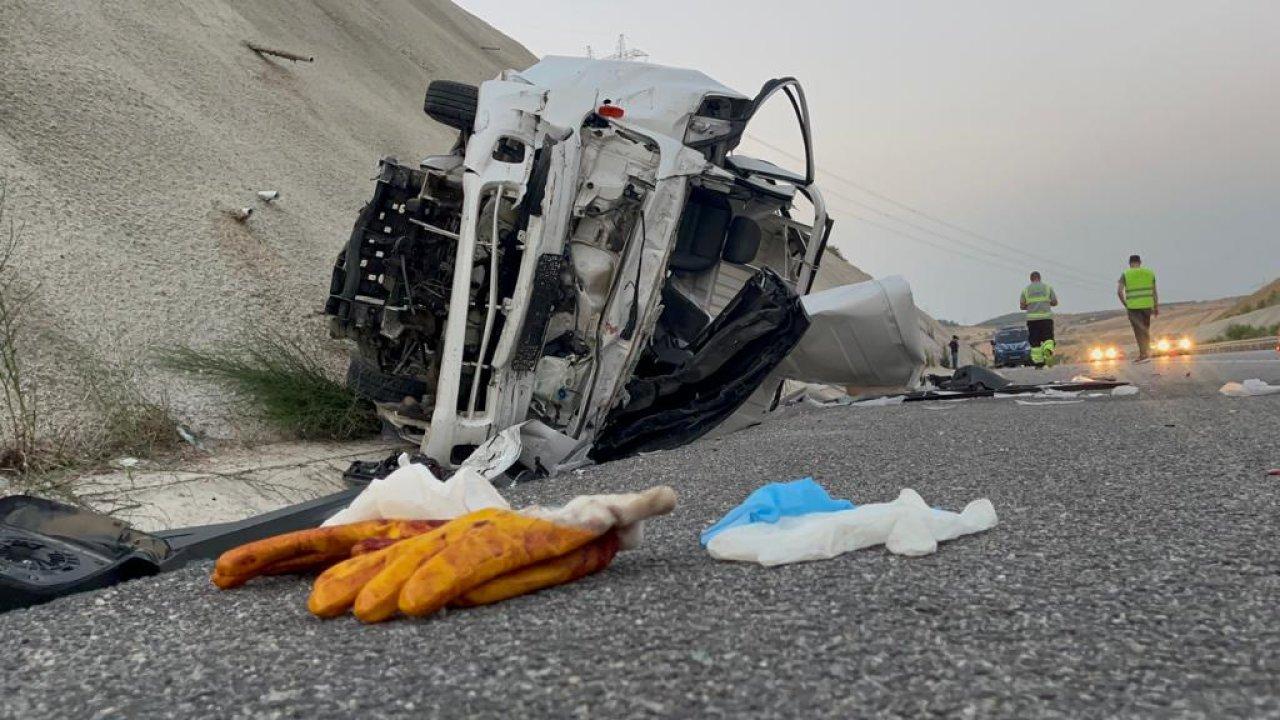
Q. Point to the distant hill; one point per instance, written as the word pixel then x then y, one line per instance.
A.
pixel 1016 318
pixel 1012 318
pixel 1168 310
pixel 1267 296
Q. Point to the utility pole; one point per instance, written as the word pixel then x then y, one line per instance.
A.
pixel 625 53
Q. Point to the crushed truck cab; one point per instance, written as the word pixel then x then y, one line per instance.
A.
pixel 593 259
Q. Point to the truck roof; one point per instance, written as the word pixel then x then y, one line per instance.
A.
pixel 657 98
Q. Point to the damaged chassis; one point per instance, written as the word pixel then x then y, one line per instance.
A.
pixel 584 261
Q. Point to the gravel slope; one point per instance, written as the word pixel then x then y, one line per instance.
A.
pixel 127 129
pixel 1134 573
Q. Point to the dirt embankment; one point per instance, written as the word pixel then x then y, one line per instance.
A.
pixel 128 128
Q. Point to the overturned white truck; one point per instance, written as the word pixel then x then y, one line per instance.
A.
pixel 595 259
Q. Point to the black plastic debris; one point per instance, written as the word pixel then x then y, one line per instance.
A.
pixel 972 381
pixel 49 549
pixel 362 472
pixel 973 377
pixel 206 542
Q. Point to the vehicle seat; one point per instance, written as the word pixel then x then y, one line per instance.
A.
pixel 701 235
pixel 743 241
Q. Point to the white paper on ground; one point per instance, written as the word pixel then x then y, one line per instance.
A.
pixel 813 394
pixel 837 402
pixel 412 492
pixel 1081 379
pixel 906 526
pixel 1048 402
pixel 880 401
pixel 1249 388
pixel 1124 390
pixel 1050 392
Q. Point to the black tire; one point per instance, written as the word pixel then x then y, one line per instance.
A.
pixel 452 103
pixel 366 380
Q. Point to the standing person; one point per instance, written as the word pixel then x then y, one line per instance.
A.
pixel 955 351
pixel 1137 292
pixel 1038 300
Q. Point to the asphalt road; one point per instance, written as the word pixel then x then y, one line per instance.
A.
pixel 1135 573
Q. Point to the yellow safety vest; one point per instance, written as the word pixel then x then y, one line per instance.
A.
pixel 1139 288
pixel 1038 296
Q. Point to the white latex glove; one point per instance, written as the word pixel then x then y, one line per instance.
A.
pixel 906 526
pixel 601 513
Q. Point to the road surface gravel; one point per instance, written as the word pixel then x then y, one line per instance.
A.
pixel 1135 572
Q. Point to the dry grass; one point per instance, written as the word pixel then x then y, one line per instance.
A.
pixel 284 381
pixel 42 450
pixel 1244 331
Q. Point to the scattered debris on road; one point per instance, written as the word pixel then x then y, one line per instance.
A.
pixel 783 523
pixel 1039 403
pixel 413 491
pixel 478 558
pixel 50 549
pixel 311 550
pixel 1252 387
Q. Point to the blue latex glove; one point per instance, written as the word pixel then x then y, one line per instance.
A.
pixel 777 500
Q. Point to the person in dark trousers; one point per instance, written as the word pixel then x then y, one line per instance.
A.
pixel 1137 292
pixel 955 351
pixel 1038 300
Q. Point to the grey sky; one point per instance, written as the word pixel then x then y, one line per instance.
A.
pixel 1079 132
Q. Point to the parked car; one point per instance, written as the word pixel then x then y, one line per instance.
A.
pixel 594 258
pixel 1010 347
pixel 1168 347
pixel 1102 353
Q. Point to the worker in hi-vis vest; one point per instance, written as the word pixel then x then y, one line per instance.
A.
pixel 1038 300
pixel 1137 292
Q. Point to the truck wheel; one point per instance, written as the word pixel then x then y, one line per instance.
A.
pixel 366 380
pixel 452 103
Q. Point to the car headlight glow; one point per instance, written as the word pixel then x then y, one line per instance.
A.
pixel 1185 343
pixel 1095 354
pixel 1112 353
pixel 1163 345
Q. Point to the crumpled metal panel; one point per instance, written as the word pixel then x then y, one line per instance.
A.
pixel 866 334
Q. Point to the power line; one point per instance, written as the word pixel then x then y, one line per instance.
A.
pixel 995 258
pixel 985 261
pixel 927 216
